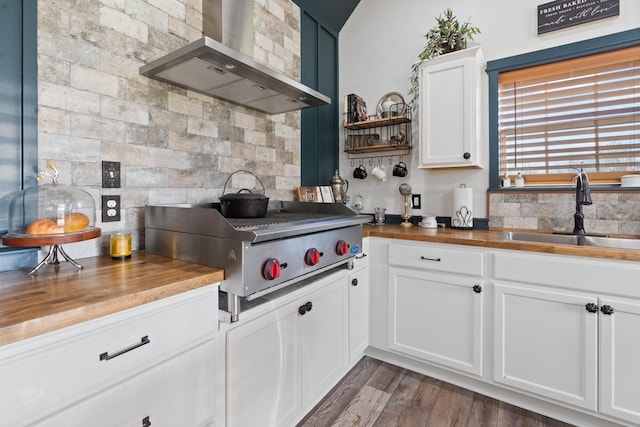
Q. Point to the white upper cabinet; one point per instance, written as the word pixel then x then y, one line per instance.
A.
pixel 450 111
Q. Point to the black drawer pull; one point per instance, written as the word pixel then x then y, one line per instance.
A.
pixel 106 356
pixel 146 422
pixel 430 259
pixel 361 256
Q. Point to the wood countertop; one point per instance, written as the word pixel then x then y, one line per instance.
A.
pixel 60 296
pixel 491 239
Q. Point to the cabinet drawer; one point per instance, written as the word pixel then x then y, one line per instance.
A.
pixel 582 274
pixel 41 375
pixel 437 258
pixel 179 392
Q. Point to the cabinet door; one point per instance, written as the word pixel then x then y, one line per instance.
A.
pixel 546 343
pixel 619 356
pixel 263 370
pixel 358 314
pixel 449 109
pixel 179 392
pixel 324 340
pixel 436 318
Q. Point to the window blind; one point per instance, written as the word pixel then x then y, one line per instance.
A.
pixel 579 113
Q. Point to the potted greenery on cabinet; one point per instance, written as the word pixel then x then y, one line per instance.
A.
pixel 449 35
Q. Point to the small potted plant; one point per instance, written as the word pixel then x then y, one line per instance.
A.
pixel 449 35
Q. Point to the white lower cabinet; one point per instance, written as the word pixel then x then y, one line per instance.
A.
pixel 263 370
pixel 620 358
pixel 436 305
pixel 358 313
pixel 545 342
pixel 436 318
pixel 134 358
pixel 559 334
pixel 284 360
pixel 176 393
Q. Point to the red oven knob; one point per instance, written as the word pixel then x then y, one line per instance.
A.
pixel 312 257
pixel 342 248
pixel 271 269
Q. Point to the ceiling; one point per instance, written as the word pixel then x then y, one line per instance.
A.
pixel 333 13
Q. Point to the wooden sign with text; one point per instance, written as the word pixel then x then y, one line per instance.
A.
pixel 567 13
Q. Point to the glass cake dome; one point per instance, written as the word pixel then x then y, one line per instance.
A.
pixel 51 209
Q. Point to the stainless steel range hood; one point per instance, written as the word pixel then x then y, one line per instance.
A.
pixel 215 65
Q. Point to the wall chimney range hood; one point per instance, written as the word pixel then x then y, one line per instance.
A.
pixel 214 65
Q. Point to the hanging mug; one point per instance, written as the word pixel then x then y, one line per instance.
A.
pixel 400 170
pixel 380 172
pixel 360 172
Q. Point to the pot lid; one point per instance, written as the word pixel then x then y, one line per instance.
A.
pixel 243 196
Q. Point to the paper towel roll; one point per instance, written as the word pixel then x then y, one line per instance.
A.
pixel 462 212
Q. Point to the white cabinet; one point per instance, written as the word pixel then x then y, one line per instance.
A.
pixel 358 313
pixel 450 110
pixel 558 335
pixel 428 291
pixel 55 371
pixel 175 393
pixel 284 360
pixel 619 356
pixel 263 370
pixel 546 343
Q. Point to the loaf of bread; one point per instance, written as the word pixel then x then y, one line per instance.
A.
pixel 75 221
pixel 44 226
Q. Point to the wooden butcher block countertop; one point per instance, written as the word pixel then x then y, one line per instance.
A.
pixel 491 239
pixel 60 296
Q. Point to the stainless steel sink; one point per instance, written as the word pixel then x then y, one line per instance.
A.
pixel 571 239
pixel 612 242
pixel 523 236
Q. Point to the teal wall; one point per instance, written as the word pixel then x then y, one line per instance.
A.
pixel 319 137
pixel 18 112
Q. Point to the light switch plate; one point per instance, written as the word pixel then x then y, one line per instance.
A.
pixel 416 202
pixel 110 174
pixel 110 208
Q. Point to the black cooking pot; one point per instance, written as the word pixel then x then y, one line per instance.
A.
pixel 244 203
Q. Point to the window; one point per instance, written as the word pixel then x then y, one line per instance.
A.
pixel 568 108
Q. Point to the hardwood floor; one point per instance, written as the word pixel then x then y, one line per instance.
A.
pixel 378 394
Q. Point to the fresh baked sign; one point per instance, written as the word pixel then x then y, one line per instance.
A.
pixel 567 13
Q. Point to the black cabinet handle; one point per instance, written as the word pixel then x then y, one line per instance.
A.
pixel 143 341
pixel 477 289
pixel 304 308
pixel 354 282
pixel 591 307
pixel 146 422
pixel 607 309
pixel 429 259
pixel 466 155
pixel 361 256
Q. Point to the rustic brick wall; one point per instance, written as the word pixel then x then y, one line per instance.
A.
pixel 610 213
pixel 174 146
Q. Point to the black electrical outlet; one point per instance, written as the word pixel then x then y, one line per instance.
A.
pixel 110 174
pixel 415 201
pixel 110 208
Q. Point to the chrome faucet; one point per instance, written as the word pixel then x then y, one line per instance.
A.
pixel 583 197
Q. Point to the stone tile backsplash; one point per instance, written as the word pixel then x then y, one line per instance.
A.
pixel 611 212
pixel 175 146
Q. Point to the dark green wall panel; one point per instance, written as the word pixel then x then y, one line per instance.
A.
pixel 18 114
pixel 319 54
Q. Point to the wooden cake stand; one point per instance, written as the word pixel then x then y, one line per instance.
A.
pixel 55 242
